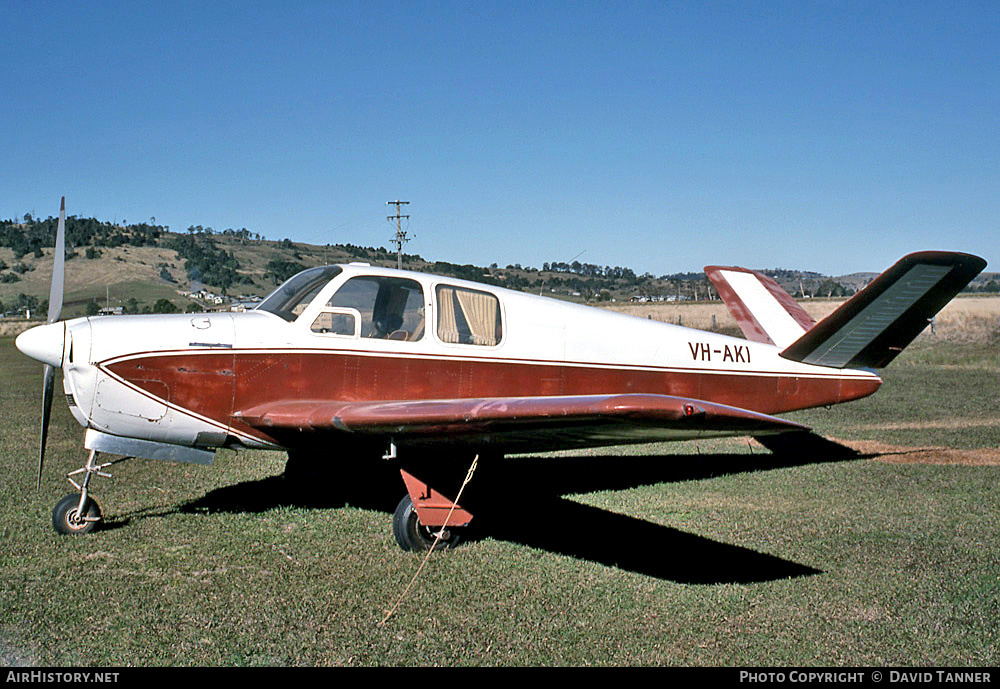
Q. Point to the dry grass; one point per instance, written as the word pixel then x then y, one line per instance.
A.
pixel 971 319
pixel 117 265
pixel 895 454
pixel 14 327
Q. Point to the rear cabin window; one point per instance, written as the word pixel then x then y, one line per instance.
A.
pixel 389 308
pixel 467 316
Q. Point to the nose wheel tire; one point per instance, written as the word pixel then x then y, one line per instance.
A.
pixel 68 519
pixel 413 536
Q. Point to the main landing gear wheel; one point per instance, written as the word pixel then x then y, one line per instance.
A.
pixel 67 517
pixel 411 535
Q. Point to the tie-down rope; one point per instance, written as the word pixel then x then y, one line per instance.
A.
pixel 437 539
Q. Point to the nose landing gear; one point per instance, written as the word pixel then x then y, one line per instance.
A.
pixel 69 518
pixel 78 513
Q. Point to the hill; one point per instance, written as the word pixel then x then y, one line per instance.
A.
pixel 146 267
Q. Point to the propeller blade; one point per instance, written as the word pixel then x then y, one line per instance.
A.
pixel 48 377
pixel 55 310
pixel 58 267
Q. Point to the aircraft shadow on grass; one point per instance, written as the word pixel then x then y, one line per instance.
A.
pixel 520 500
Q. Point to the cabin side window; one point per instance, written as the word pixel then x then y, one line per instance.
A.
pixel 336 322
pixel 388 308
pixel 467 316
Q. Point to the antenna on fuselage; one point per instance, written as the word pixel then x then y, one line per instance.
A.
pixel 400 238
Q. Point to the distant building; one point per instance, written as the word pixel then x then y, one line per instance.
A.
pixel 241 306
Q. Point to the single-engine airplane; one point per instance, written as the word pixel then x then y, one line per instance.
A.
pixel 343 363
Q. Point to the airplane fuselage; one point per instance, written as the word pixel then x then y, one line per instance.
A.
pixel 183 379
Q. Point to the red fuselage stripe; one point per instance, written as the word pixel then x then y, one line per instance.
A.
pixel 215 383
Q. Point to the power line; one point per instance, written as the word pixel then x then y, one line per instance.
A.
pixel 400 239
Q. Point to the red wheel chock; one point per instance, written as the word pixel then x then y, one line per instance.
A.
pixel 433 507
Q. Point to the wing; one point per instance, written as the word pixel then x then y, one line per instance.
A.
pixel 525 423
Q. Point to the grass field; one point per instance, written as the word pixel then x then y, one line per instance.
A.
pixel 710 553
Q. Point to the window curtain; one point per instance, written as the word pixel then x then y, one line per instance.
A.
pixel 447 325
pixel 480 311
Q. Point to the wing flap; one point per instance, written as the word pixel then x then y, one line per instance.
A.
pixel 589 419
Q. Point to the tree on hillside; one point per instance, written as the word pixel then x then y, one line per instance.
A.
pixel 164 306
pixel 279 269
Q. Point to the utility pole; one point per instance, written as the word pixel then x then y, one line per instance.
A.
pixel 401 237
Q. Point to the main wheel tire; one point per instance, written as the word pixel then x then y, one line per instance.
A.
pixel 413 536
pixel 66 518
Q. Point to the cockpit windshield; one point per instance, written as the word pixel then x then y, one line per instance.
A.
pixel 295 294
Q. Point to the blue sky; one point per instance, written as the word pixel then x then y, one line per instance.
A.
pixel 663 136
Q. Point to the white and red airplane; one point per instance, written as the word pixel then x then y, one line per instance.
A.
pixel 345 363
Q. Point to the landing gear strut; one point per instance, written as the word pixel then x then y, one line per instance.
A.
pixel 78 513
